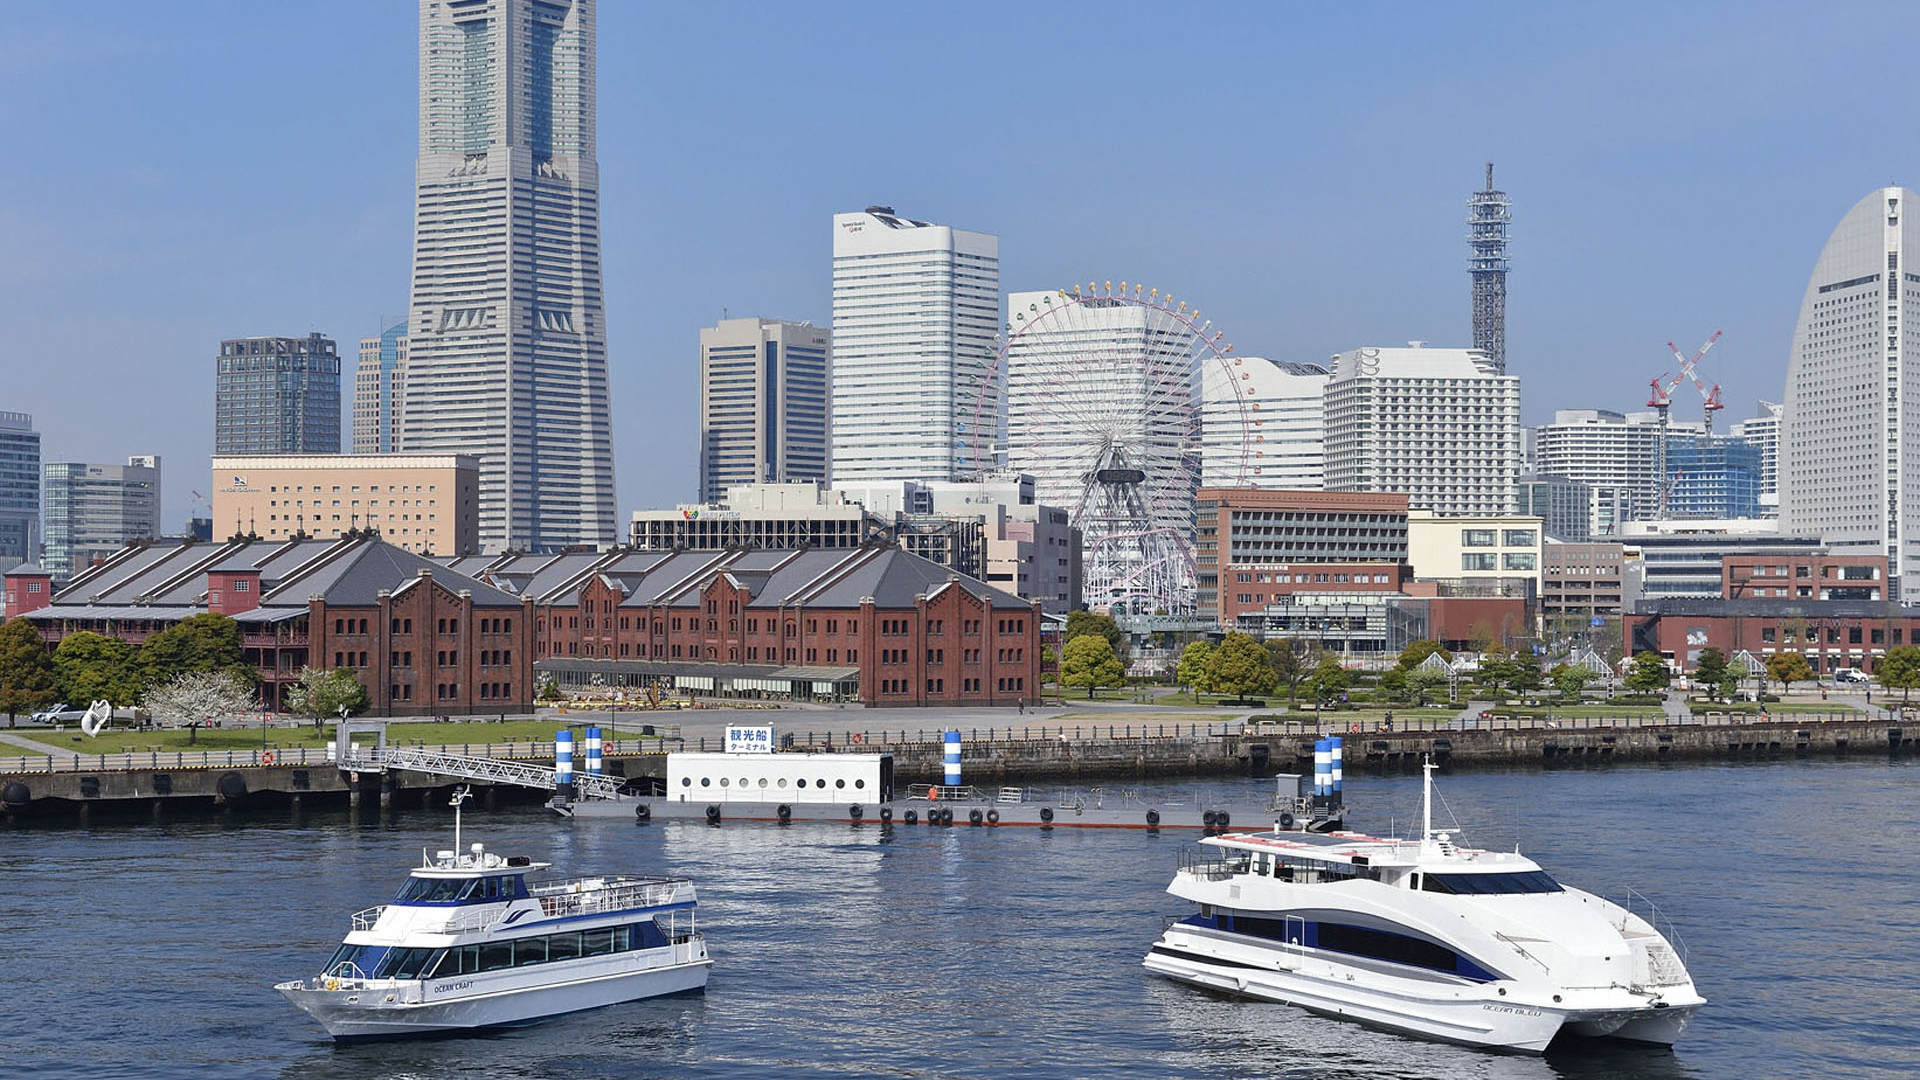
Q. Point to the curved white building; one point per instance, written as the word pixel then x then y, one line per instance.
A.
pixel 1849 465
pixel 1280 425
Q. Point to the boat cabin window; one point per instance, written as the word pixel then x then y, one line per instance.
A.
pixel 1529 881
pixel 540 949
pixel 422 890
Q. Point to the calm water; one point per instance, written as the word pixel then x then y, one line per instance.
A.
pixel 140 950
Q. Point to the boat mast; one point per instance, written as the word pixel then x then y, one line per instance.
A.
pixel 1426 799
pixel 459 796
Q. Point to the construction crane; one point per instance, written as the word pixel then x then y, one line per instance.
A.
pixel 1662 400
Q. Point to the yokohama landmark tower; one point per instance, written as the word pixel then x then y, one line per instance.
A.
pixel 1489 212
pixel 507 351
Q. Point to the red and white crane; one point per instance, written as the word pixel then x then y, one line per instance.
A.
pixel 1662 399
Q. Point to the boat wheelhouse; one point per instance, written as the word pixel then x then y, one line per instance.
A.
pixel 476 940
pixel 1424 937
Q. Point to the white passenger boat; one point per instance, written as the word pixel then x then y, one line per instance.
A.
pixel 469 942
pixel 1424 937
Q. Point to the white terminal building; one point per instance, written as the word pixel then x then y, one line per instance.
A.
pixel 1850 426
pixel 1269 435
pixel 916 319
pixel 1441 425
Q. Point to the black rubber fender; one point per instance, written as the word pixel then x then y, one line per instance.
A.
pixel 1046 813
pixel 1286 820
pixel 946 815
pixel 975 817
pixel 886 815
pixel 785 812
pixel 912 817
pixel 713 813
pixel 993 817
pixel 1153 817
pixel 1223 819
pixel 855 811
pixel 232 785
pixel 16 796
pixel 1209 819
pixel 643 812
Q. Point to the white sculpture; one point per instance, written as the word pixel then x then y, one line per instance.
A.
pixel 95 721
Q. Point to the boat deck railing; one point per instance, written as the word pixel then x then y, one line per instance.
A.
pixel 364 920
pixel 593 896
pixel 1210 864
pixel 1638 903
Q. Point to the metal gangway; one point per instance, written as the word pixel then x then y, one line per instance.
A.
pixel 415 759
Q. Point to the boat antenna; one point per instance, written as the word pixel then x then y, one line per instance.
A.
pixel 460 794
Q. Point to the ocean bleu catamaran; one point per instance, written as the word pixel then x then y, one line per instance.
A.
pixel 470 942
pixel 1424 937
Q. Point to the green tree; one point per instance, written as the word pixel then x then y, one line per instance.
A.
pixel 1648 673
pixel 321 695
pixel 549 689
pixel 1710 669
pixel 1421 684
pixel 206 642
pixel 89 666
pixel 1289 661
pixel 1329 680
pixel 1899 670
pixel 1496 672
pixel 1088 661
pixel 1787 668
pixel 1570 680
pixel 1192 672
pixel 1239 665
pixel 1049 665
pixel 1728 684
pixel 1082 623
pixel 1525 678
pixel 1416 653
pixel 26 671
pixel 1394 685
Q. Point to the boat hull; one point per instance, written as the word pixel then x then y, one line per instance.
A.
pixel 385 1011
pixel 1491 1016
pixel 965 813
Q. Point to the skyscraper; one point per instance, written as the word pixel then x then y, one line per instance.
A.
pixel 277 395
pixel 1441 425
pixel 506 347
pixel 1489 213
pixel 92 511
pixel 1849 459
pixel 1279 424
pixel 1763 432
pixel 19 489
pixel 763 404
pixel 916 311
pixel 380 391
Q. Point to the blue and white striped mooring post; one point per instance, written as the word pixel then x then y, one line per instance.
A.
pixel 594 766
pixel 953 758
pixel 1337 760
pixel 1322 768
pixel 563 765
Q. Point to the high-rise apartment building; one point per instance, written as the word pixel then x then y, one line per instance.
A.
pixel 1609 452
pixel 380 391
pixel 763 404
pixel 916 313
pixel 91 511
pixel 1850 426
pixel 277 395
pixel 1271 430
pixel 506 344
pixel 1762 432
pixel 1440 425
pixel 19 489
pixel 1565 507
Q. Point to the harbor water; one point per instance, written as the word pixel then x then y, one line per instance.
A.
pixel 150 949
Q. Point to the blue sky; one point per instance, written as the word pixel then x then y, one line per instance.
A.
pixel 179 173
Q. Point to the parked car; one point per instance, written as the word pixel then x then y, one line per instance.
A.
pixel 1850 675
pixel 58 713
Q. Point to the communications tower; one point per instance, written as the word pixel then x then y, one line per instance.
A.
pixel 1489 212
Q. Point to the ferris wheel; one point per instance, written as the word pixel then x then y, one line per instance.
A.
pixel 1103 409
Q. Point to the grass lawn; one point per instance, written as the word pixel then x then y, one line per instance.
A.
pixel 426 733
pixel 1774 707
